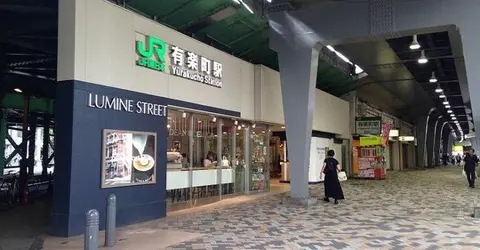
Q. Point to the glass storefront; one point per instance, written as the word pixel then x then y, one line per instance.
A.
pixel 210 158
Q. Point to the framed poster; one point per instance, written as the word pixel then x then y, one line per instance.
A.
pixel 129 158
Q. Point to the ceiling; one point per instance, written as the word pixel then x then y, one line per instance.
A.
pixel 28 46
pixel 441 62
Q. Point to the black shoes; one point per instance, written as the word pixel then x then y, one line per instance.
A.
pixel 336 201
pixel 326 199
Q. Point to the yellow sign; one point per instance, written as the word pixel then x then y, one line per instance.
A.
pixel 370 141
pixel 458 148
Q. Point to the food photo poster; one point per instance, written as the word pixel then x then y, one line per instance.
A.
pixel 128 158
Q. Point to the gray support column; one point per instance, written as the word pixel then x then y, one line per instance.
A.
pixel 430 140
pixel 298 74
pixel 450 142
pixel 421 141
pixel 470 41
pixel 436 141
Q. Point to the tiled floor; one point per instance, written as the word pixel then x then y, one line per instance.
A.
pixel 409 210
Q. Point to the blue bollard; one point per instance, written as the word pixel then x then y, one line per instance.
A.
pixel 92 219
pixel 110 233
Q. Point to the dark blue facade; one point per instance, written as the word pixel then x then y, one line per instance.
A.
pixel 78 157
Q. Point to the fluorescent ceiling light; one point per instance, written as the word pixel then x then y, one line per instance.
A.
pixel 423 59
pixel 448 106
pixel 18 90
pixel 442 96
pixel 454 118
pixel 269 1
pixel 406 138
pixel 433 79
pixel 449 111
pixel 452 115
pixel 445 102
pixel 438 89
pixel 415 45
pixel 358 70
pixel 246 6
pixel 393 133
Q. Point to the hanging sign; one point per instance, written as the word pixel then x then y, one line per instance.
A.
pixel 370 141
pixel 368 125
pixel 151 53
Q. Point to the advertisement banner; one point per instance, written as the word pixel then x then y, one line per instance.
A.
pixel 370 141
pixel 128 158
pixel 368 125
pixel 387 126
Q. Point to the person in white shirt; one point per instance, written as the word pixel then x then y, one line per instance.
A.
pixel 208 161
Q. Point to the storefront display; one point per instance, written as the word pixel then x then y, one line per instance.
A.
pixel 129 158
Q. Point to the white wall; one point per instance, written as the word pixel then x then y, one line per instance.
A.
pixel 331 113
pixel 104 53
pixel 101 49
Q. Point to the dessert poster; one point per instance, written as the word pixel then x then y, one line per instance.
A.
pixel 129 158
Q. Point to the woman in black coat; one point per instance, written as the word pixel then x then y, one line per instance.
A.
pixel 331 167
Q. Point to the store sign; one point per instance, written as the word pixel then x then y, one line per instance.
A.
pixel 125 105
pixel 368 125
pixel 182 63
pixel 151 53
pixel 406 138
pixel 370 141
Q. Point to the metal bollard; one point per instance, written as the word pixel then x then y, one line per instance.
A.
pixel 91 230
pixel 476 212
pixel 110 237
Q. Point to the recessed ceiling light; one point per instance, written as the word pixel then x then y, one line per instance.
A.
pixel 442 96
pixel 448 106
pixel 18 90
pixel 415 45
pixel 445 102
pixel 454 118
pixel 452 115
pixel 449 111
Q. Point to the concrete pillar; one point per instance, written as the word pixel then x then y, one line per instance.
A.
pixel 450 142
pixel 421 141
pixel 445 135
pixel 396 156
pixel 470 40
pixel 430 140
pixel 436 141
pixel 298 74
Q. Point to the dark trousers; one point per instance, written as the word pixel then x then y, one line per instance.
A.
pixel 470 176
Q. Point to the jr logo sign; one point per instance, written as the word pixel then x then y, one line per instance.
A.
pixel 152 55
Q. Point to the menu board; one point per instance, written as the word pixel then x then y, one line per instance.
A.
pixel 128 158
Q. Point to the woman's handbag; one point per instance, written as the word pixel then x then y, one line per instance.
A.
pixel 342 176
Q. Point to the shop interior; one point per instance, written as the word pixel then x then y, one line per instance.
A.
pixel 206 158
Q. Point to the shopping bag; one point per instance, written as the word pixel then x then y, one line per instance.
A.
pixel 342 176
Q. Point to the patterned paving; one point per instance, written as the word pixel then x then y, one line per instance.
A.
pixel 410 210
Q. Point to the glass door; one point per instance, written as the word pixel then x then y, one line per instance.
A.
pixel 260 160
